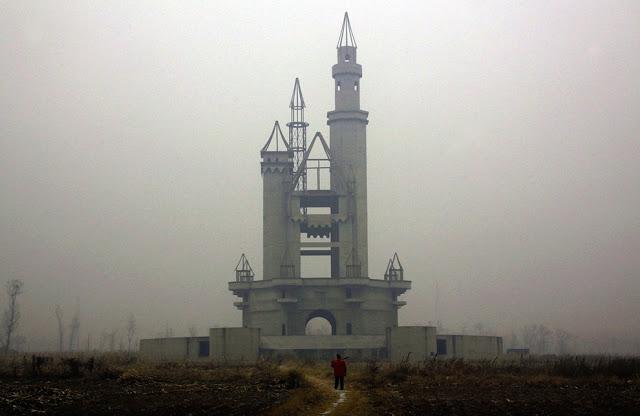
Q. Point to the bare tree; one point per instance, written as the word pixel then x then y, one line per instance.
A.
pixel 563 338
pixel 536 337
pixel 544 334
pixel 193 331
pixel 168 331
pixel 529 335
pixel 74 329
pixel 59 317
pixel 103 340
pixel 111 338
pixel 514 342
pixel 131 330
pixel 12 314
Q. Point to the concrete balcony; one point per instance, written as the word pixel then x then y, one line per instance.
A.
pixel 354 300
pixel 399 286
pixel 287 300
pixel 399 303
pixel 241 305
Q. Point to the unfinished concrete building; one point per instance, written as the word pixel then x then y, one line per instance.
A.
pixel 315 204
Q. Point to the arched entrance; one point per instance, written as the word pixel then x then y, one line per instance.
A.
pixel 320 322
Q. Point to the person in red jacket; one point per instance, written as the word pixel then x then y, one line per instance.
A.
pixel 339 371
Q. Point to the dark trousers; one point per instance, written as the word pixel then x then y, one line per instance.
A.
pixel 340 381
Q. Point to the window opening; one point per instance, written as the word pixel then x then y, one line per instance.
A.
pixel 203 348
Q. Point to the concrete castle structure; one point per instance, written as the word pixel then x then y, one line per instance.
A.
pixel 315 204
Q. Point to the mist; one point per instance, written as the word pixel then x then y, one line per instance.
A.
pixel 503 158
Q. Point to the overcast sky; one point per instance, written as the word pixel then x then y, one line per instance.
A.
pixel 503 151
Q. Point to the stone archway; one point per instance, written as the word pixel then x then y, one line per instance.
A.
pixel 325 314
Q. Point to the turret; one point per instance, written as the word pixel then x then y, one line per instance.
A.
pixel 278 233
pixel 347 72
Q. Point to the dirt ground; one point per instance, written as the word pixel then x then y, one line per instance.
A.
pixel 110 397
pixel 124 386
pixel 500 395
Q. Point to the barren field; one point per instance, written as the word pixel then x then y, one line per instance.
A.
pixel 120 384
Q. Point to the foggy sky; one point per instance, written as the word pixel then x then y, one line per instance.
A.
pixel 503 155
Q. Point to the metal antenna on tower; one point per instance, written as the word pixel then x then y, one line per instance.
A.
pixel 298 133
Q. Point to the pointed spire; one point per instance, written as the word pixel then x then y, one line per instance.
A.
pixel 276 134
pixel 297 101
pixel 346 34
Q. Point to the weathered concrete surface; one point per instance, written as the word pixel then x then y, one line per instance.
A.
pixel 412 343
pixel 234 345
pixel 318 342
pixel 284 306
pixel 179 348
pixel 471 346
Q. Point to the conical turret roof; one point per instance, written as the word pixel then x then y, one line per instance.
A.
pixel 276 142
pixel 346 34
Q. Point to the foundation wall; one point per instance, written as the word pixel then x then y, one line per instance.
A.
pixel 469 346
pixel 172 349
pixel 411 343
pixel 234 345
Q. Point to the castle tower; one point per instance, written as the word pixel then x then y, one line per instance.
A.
pixel 348 135
pixel 315 204
pixel 281 241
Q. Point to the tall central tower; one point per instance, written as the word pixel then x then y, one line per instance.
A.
pixel 315 204
pixel 348 132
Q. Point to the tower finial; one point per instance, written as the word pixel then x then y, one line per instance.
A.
pixel 346 34
pixel 297 101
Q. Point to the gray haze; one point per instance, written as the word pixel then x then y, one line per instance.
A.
pixel 503 150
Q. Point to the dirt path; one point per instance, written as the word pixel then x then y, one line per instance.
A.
pixel 342 397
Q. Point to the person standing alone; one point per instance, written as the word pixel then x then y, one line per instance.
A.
pixel 339 371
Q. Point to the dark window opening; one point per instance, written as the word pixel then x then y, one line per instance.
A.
pixel 348 294
pixel 283 294
pixel 339 86
pixel 203 348
pixel 349 329
pixel 284 329
pixel 347 58
pixel 356 86
pixel 441 346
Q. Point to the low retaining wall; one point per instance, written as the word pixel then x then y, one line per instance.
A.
pixel 179 348
pixel 469 346
pixel 245 346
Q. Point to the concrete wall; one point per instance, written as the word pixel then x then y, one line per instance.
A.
pixel 234 345
pixel 415 343
pixel 179 348
pixel 471 346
